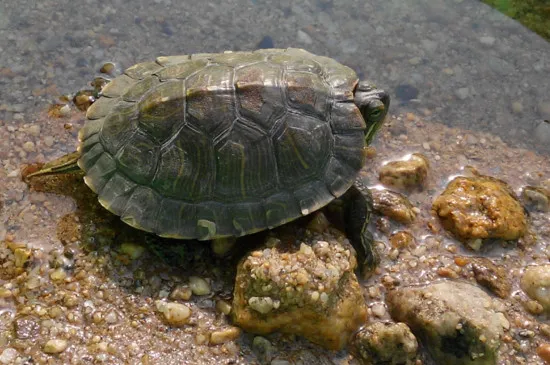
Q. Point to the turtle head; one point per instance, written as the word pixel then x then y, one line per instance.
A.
pixel 373 104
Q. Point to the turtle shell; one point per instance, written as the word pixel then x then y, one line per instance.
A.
pixel 212 145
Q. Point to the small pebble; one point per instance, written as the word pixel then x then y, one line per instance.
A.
pixel 111 317
pixel 55 346
pixel 34 130
pixel 8 356
pixel 542 132
pixel 181 292
pixel 487 40
pixel 222 246
pixel 199 286
pixel 65 110
pixel 517 107
pixel 58 274
pixel 48 141
pixel 261 304
pixel 175 314
pixel 415 61
pixel 29 146
pixel 462 93
pixel 262 348
pixel 225 335
pixel 379 310
pixel 223 307
pixel 132 250
pixel 545 329
pixel 303 37
pixel 107 68
pixel 544 352
pixel 544 108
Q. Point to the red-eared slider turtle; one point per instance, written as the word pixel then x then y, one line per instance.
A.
pixel 206 146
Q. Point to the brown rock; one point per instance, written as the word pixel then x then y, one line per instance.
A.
pixel 493 277
pixel 393 205
pixel 406 174
pixel 26 328
pixel 312 292
pixel 481 207
pixel 401 240
pixel 544 352
pixel 385 343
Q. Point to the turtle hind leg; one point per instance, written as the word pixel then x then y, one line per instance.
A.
pixel 63 165
pixel 357 210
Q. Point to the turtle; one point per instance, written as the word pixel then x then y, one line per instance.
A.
pixel 214 145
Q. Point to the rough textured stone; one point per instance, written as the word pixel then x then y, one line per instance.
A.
pixel 480 207
pixel 312 292
pixel 457 321
pixel 385 343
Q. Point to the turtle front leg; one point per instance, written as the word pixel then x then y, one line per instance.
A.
pixel 357 211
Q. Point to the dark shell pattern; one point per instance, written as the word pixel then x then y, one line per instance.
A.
pixel 213 145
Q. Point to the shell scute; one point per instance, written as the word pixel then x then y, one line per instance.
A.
pixel 211 145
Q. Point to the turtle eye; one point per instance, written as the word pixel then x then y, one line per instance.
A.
pixel 377 112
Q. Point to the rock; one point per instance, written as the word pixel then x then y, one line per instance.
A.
pixel 535 282
pixel 544 108
pixel 536 198
pixel 263 349
pixel 8 356
pixel 393 205
pixel 544 352
pixel 493 277
pixel 462 93
pixel 457 321
pixel 132 250
pixel 487 40
pixel 542 132
pixel 224 335
pixel 174 314
pixel 303 37
pixel 223 307
pixel 83 99
pixel 402 240
pixel 181 292
pixel 199 286
pixel 26 328
pixel 517 107
pixel 311 292
pixel 222 246
pixel 55 346
pixel 29 146
pixel 385 343
pixel 405 174
pixel 478 208
pixel 319 223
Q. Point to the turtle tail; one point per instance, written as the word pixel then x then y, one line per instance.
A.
pixel 63 165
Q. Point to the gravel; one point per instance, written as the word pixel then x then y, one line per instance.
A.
pixel 50 49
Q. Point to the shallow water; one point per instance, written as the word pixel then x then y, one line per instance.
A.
pixel 465 63
pixel 458 64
